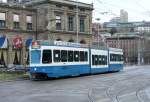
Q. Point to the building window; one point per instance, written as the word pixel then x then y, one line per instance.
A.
pixel 82 24
pixel 29 26
pixel 58 5
pixel 71 40
pixel 70 23
pixel 3 1
pixel 29 22
pixel 2 20
pixel 16 21
pixel 58 22
pixel 82 9
pixel 2 24
pixel 71 8
pixel 16 25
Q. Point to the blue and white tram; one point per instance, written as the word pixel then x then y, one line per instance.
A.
pixel 58 61
pixel 115 59
pixel 69 59
pixel 99 61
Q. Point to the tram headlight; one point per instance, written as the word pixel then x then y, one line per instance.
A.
pixel 35 69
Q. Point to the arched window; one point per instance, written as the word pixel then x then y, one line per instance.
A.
pixel 58 39
pixel 71 40
pixel 83 42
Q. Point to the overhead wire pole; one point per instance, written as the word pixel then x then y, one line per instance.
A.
pixel 77 21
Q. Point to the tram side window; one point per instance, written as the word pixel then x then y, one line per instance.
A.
pixel 63 56
pixel 105 60
pixel 96 59
pixel 47 56
pixel 93 58
pixel 122 58
pixel 76 56
pixel 85 56
pixel 119 57
pixel 56 55
pixel 81 55
pixel 116 57
pixel 70 56
pixel 111 57
pixel 100 60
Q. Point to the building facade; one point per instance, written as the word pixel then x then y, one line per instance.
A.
pixel 17 25
pixel 133 47
pixel 99 34
pixel 123 16
pixel 63 20
pixel 42 20
pixel 133 37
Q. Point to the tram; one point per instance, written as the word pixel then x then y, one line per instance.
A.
pixel 60 59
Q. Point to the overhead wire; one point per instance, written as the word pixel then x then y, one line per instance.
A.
pixel 116 6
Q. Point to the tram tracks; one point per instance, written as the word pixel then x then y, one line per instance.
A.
pixel 134 87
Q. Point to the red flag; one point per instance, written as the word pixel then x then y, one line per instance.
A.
pixel 17 42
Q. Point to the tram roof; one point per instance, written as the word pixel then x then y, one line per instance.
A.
pixel 61 43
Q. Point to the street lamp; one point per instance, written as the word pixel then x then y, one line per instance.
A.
pixel 118 45
pixel 98 19
pixel 77 21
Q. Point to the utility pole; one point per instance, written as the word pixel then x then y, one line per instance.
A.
pixel 139 51
pixel 36 24
pixel 77 22
pixel 118 41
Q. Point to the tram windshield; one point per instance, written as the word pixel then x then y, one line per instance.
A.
pixel 35 56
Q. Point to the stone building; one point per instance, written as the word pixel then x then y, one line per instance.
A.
pixel 58 20
pixel 42 20
pixel 133 47
pixel 16 24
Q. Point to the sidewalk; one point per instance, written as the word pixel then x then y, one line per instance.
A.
pixel 135 66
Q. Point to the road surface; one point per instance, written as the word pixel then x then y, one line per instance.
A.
pixel 130 85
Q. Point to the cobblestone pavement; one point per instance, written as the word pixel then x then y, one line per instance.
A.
pixel 130 85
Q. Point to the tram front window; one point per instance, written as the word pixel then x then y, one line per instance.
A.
pixel 35 56
pixel 47 56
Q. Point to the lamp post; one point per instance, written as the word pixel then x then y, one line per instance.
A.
pixel 77 21
pixel 118 45
pixel 98 19
pixel 36 34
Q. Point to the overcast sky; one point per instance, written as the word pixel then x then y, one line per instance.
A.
pixel 138 10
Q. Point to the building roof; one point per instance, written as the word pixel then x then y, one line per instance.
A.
pixel 15 6
pixel 64 2
pixel 127 35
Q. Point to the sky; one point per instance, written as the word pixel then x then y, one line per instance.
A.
pixel 138 10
